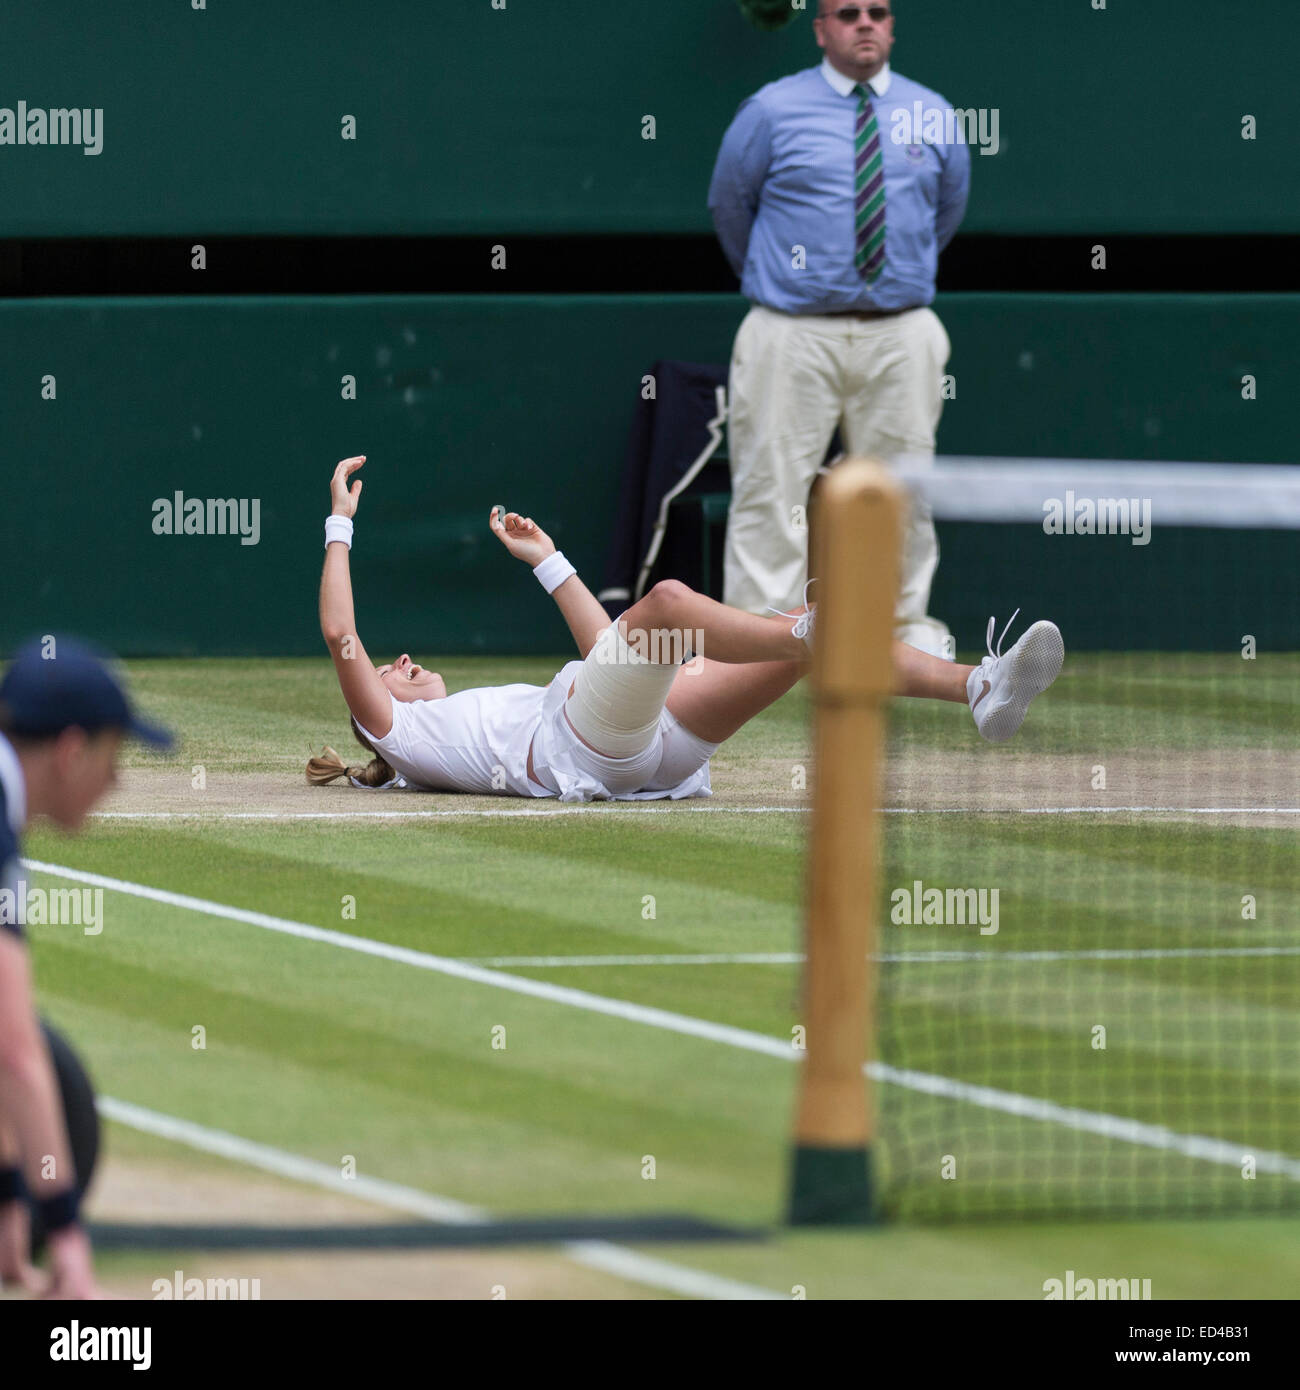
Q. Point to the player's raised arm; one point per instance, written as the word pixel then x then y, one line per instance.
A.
pixel 366 696
pixel 526 541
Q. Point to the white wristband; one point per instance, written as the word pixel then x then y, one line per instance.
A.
pixel 553 571
pixel 338 528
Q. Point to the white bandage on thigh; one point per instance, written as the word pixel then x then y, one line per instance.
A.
pixel 618 695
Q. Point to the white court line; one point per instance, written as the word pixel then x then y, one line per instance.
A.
pixel 443 965
pixel 592 809
pixel 560 962
pixel 1092 1122
pixel 890 958
pixel 1191 1145
pixel 1090 810
pixel 1163 810
pixel 595 1254
pixel 606 808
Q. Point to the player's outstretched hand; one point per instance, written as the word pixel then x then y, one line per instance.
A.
pixel 343 501
pixel 521 536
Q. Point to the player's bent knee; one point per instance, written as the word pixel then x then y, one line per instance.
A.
pixel 666 597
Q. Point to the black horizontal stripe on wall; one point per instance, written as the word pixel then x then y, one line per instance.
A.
pixel 687 264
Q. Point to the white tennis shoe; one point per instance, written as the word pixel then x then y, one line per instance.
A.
pixel 1000 688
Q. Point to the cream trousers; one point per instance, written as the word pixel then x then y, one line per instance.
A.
pixel 794 378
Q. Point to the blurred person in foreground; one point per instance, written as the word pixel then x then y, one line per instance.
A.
pixel 63 718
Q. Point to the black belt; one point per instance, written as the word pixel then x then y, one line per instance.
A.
pixel 869 313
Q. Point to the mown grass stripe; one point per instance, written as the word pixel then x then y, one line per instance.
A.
pixel 423 960
pixel 1112 1126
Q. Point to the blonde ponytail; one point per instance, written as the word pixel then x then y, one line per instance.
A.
pixel 328 767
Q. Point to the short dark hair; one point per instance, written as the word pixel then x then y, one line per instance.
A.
pixel 21 741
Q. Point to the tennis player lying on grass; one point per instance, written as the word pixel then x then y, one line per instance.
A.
pixel 632 720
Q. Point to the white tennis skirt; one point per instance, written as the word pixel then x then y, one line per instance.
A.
pixel 674 765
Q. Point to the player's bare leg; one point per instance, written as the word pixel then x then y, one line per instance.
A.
pixel 733 636
pixel 715 698
pixel 729 634
pixel 928 677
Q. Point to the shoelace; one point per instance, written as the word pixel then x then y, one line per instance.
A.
pixel 804 622
pixel 988 637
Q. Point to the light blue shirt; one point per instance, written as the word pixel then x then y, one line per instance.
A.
pixel 784 180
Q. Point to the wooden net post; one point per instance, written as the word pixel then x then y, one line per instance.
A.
pixel 856 539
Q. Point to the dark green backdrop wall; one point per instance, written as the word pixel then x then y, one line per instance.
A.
pixel 464 402
pixel 529 119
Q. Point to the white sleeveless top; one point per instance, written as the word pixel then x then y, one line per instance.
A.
pixel 477 741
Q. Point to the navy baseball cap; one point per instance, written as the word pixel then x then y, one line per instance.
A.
pixel 61 683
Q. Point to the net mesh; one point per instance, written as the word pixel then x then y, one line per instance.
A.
pixel 1089 992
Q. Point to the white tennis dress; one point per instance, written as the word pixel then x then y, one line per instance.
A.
pixel 477 741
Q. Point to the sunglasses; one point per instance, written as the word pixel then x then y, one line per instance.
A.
pixel 848 14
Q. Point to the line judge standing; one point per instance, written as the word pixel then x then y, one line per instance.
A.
pixel 834 227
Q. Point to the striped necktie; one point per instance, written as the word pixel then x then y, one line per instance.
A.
pixel 868 191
